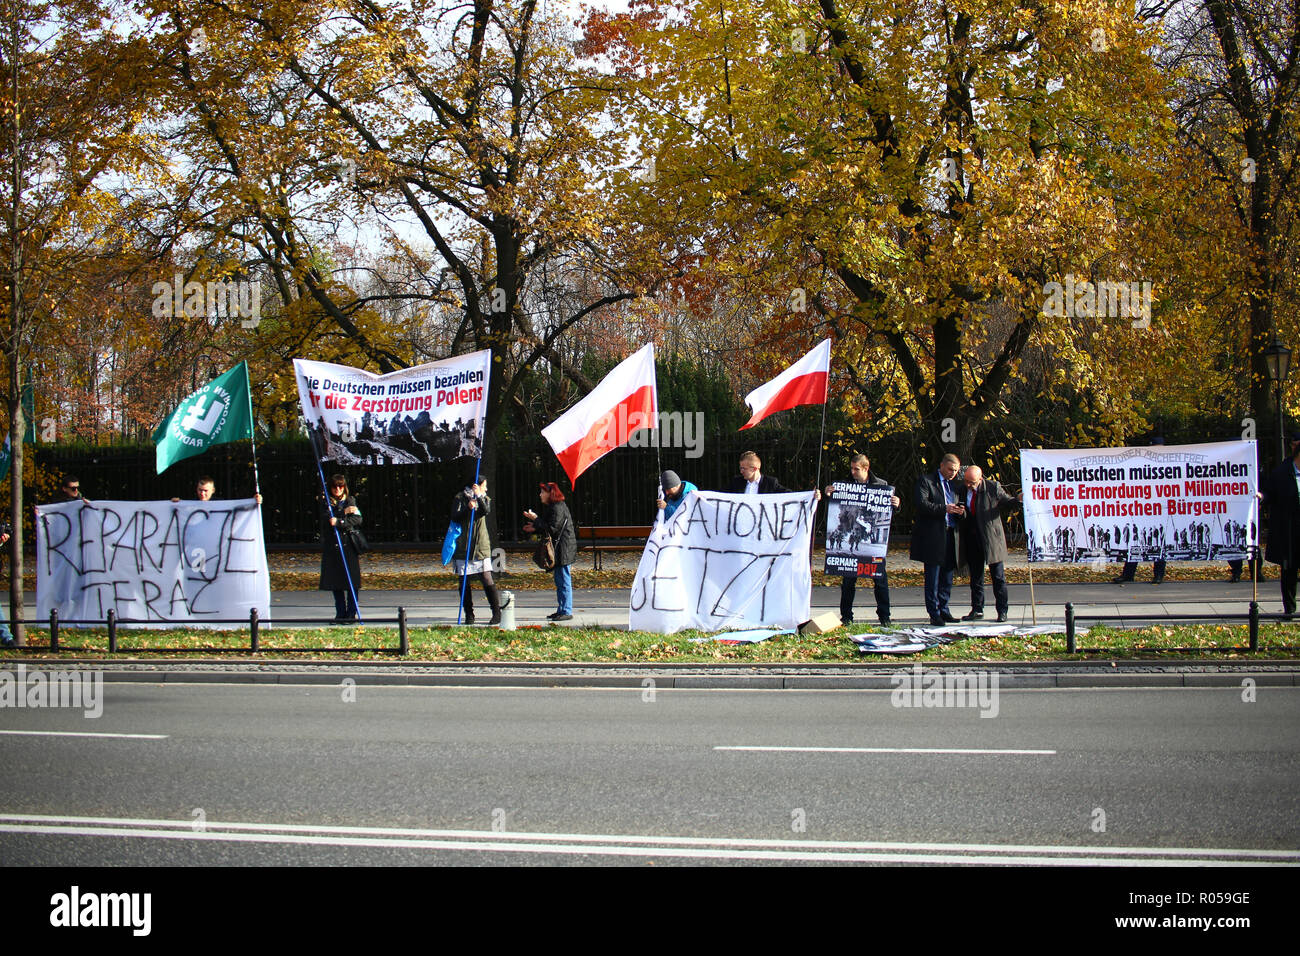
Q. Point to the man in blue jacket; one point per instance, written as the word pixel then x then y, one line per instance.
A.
pixel 673 492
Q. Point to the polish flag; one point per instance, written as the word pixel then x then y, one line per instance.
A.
pixel 624 402
pixel 803 383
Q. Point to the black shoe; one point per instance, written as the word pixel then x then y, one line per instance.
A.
pixel 495 618
pixel 948 618
pixel 553 615
pixel 561 617
pixel 973 616
pixel 1236 576
pixel 1002 617
pixel 936 622
pixel 1122 579
pixel 8 643
pixel 1157 580
pixel 885 622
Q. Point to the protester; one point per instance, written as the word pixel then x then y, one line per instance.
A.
pixel 752 481
pixel 1237 566
pixel 556 521
pixel 934 535
pixel 71 488
pixel 983 540
pixel 341 515
pixel 471 508
pixel 1130 567
pixel 1281 494
pixel 860 470
pixel 205 488
pixel 673 492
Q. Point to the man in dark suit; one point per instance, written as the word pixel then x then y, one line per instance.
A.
pixel 983 541
pixel 1282 499
pixel 752 480
pixel 934 535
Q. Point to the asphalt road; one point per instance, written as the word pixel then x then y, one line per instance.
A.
pixel 285 775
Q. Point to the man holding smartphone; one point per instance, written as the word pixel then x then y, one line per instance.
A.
pixel 934 535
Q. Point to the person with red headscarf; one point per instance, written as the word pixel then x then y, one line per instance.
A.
pixel 555 520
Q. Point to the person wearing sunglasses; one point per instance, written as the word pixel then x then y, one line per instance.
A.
pixel 71 488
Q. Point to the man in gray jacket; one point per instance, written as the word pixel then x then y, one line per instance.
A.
pixel 983 541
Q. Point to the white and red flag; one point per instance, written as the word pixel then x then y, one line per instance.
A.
pixel 803 383
pixel 625 401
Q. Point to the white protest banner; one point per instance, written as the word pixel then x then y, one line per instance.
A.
pixel 1175 502
pixel 726 561
pixel 152 561
pixel 857 528
pixel 432 412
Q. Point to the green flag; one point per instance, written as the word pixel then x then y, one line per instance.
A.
pixel 219 412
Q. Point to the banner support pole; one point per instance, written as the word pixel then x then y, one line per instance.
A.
pixel 338 539
pixel 469 533
pixel 1033 605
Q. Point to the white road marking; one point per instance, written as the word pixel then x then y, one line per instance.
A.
pixel 641 845
pixel 888 750
pixel 73 733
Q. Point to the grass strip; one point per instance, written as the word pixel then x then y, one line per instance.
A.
pixel 580 645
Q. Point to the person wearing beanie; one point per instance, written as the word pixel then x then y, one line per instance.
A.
pixel 672 492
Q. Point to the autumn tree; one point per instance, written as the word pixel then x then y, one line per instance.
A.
pixel 927 170
pixel 1237 105
pixel 464 140
pixel 70 116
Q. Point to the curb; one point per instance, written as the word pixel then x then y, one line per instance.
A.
pixel 1048 675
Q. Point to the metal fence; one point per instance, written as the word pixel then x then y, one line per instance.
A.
pixel 409 505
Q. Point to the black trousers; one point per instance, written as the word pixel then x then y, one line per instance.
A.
pixel 998 572
pixel 848 585
pixel 1288 587
pixel 1157 570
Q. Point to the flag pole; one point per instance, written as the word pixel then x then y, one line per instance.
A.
pixel 820 442
pixel 252 433
pixel 338 539
pixel 817 484
pixel 469 533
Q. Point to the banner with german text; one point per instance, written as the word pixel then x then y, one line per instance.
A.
pixel 429 413
pixel 727 561
pixel 1166 502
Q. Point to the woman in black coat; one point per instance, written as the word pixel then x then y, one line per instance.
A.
pixel 556 521
pixel 470 509
pixel 340 514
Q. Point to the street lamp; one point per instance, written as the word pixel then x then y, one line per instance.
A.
pixel 1277 357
